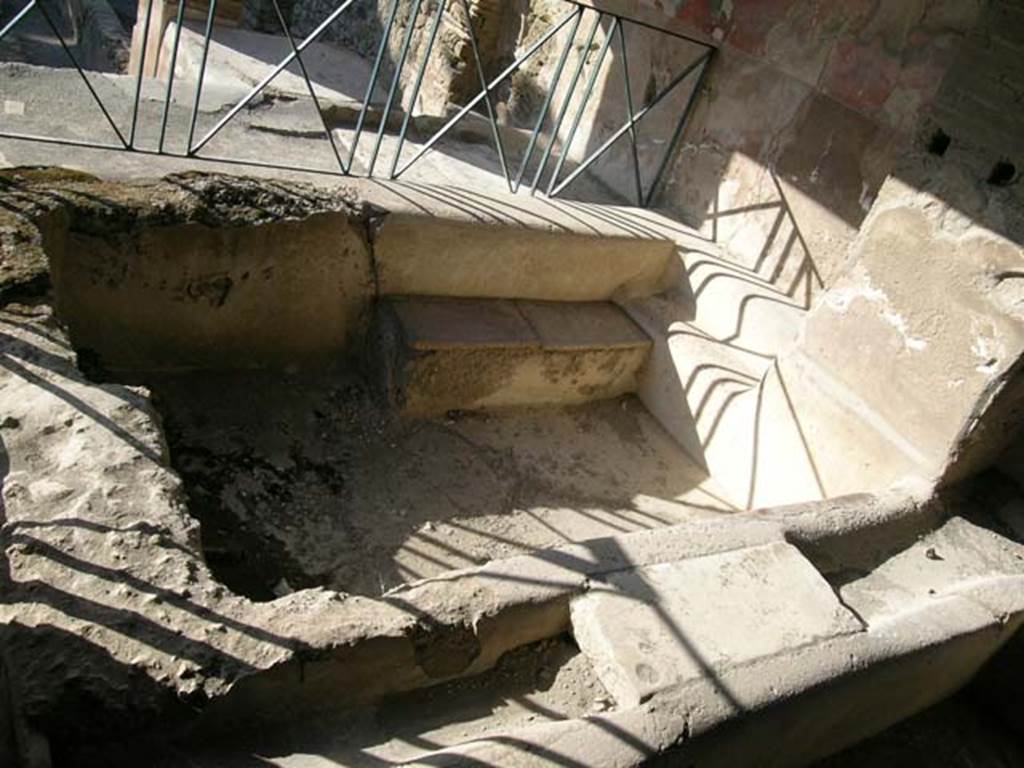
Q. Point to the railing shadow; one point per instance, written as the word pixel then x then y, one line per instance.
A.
pixel 720 338
pixel 39 552
pixel 344 737
pixel 788 268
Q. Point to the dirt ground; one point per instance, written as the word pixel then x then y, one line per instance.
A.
pixel 302 480
pixel 957 733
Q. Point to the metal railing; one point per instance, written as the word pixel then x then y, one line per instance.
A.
pixel 587 37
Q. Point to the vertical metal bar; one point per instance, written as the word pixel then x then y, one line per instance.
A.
pixel 18 17
pixel 309 85
pixel 454 119
pixel 556 78
pixel 637 117
pixel 591 82
pixel 170 73
pixel 202 75
pixel 395 80
pixel 495 130
pixel 372 85
pixel 566 103
pixel 99 103
pixel 142 71
pixel 681 127
pixel 417 85
pixel 629 108
pixel 276 71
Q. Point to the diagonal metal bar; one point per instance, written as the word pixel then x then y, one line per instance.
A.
pixel 64 45
pixel 395 81
pixel 371 87
pixel 622 131
pixel 208 35
pixel 480 96
pixel 566 103
pixel 571 101
pixel 417 85
pixel 18 17
pixel 591 82
pixel 495 130
pixel 629 113
pixel 310 38
pixel 170 73
pixel 309 86
pixel 680 127
pixel 556 78
pixel 142 71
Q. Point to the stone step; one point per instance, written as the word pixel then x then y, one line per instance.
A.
pixel 437 354
pixel 476 246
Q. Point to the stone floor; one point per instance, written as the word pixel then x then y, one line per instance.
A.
pixel 282 131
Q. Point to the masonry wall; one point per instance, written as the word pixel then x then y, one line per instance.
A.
pixel 808 107
pixel 913 361
pixel 980 108
pixel 981 101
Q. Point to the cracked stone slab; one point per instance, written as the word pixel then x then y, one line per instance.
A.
pixel 649 629
pixel 582 325
pixel 440 323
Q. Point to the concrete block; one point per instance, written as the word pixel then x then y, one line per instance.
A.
pixel 438 354
pixel 653 628
pixel 423 255
pixel 163 14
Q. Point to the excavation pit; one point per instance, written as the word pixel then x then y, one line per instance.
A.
pixel 227 550
pixel 304 480
pixel 223 458
pixel 332 434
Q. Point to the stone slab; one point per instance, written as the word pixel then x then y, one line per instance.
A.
pixel 585 325
pixel 652 628
pixel 436 323
pixel 430 323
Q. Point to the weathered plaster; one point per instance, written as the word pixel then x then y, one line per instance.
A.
pixel 819 100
